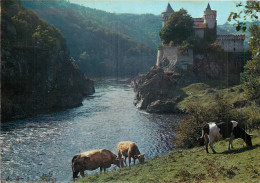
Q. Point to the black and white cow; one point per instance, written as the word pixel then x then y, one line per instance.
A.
pixel 212 132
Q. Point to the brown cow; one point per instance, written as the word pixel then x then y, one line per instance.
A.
pixel 91 160
pixel 129 149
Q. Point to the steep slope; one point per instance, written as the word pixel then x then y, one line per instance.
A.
pixel 37 75
pixel 102 43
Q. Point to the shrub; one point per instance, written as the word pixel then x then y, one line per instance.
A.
pixel 189 128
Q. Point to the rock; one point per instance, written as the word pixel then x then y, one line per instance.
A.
pixel 156 91
pixel 159 106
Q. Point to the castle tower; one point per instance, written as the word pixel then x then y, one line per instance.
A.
pixel 210 17
pixel 166 14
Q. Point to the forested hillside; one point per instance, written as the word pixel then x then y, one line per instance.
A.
pixel 107 44
pixel 103 44
pixel 37 75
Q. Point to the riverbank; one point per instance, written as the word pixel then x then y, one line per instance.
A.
pixel 194 165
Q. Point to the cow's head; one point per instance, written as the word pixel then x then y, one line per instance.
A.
pixel 241 133
pixel 248 140
pixel 140 158
pixel 118 162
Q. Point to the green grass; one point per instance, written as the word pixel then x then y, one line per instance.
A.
pixel 193 165
pixel 204 95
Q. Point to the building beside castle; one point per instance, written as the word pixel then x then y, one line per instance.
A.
pixel 228 42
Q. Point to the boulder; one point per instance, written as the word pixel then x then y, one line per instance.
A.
pixel 156 91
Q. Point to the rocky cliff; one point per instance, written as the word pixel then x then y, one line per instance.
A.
pixel 37 74
pixel 158 91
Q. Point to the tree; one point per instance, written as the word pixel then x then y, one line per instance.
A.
pixel 252 68
pixel 251 78
pixel 250 10
pixel 254 44
pixel 178 28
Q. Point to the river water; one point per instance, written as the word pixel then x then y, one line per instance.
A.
pixel 46 143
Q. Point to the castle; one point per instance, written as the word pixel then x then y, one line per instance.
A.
pixel 229 42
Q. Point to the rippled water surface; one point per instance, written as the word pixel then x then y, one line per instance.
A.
pixel 47 143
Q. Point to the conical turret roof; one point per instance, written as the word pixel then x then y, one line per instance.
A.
pixel 169 9
pixel 208 7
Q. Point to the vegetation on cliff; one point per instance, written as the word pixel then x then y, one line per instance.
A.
pixel 37 75
pixel 103 44
pixel 179 32
pixel 178 28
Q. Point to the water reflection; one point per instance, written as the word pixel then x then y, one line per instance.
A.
pixel 47 143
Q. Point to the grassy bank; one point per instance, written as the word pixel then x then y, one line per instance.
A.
pixel 204 95
pixel 194 165
pixel 233 99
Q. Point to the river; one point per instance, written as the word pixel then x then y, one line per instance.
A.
pixel 46 143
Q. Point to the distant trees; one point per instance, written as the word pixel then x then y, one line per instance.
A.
pixel 102 44
pixel 178 28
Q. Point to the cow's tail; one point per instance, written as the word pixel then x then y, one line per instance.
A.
pixel 73 162
pixel 203 133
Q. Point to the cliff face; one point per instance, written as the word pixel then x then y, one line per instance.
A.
pixel 37 74
pixel 158 91
pixel 221 65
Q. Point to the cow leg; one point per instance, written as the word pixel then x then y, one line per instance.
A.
pixel 82 173
pixel 230 142
pixel 211 141
pixel 104 169
pixel 120 159
pixel 129 160
pixel 134 161
pixel 207 149
pixel 206 138
pixel 125 160
pixel 211 146
pixel 232 147
pixel 101 169
pixel 75 175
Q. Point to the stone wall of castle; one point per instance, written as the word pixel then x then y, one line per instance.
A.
pixel 168 58
pixel 231 42
pixel 199 33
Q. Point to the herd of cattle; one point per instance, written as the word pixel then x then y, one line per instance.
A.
pixel 103 158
